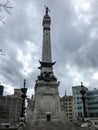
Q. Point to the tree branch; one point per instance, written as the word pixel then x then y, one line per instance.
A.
pixel 6 7
pixel 1 19
pixel 1 52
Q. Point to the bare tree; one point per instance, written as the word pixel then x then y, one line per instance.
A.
pixel 2 52
pixel 5 7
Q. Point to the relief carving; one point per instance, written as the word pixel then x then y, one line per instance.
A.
pixel 47 76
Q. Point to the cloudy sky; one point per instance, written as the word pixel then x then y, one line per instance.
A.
pixel 74 39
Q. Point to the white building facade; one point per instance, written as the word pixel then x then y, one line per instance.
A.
pixel 67 106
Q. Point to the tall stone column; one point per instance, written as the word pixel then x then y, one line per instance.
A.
pixel 46 103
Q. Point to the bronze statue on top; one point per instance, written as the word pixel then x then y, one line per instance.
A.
pixel 47 10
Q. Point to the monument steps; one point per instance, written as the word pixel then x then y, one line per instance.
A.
pixel 53 125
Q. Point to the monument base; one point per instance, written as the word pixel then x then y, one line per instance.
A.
pixel 53 125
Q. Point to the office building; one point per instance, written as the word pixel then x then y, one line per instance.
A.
pixel 10 108
pixel 67 106
pixel 92 103
pixel 77 102
pixel 1 89
pixel 17 92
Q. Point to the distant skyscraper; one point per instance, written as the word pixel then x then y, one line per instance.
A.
pixel 1 89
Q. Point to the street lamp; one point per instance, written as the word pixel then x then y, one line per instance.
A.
pixel 24 90
pixel 82 91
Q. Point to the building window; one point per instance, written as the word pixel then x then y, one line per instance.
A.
pixel 91 114
pixel 96 123
pixel 79 114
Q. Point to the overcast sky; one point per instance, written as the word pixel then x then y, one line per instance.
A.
pixel 74 39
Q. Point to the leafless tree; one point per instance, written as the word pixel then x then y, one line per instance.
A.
pixel 2 52
pixel 4 7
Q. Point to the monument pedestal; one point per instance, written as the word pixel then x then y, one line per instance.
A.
pixel 47 102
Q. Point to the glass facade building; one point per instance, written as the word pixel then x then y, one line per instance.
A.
pixel 92 103
pixel 77 102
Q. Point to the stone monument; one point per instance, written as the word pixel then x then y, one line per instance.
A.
pixel 44 109
pixel 47 102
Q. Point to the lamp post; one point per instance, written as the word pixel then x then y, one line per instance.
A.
pixel 24 90
pixel 83 100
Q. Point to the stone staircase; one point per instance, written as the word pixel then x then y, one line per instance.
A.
pixel 53 125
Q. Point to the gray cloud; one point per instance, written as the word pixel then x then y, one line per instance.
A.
pixel 73 37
